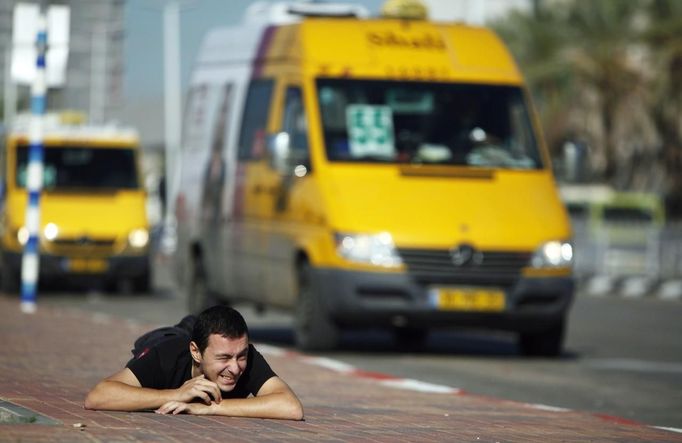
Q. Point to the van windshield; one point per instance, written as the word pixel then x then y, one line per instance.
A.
pixel 67 167
pixel 427 123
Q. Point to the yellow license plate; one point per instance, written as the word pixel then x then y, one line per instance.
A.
pixel 87 265
pixel 468 299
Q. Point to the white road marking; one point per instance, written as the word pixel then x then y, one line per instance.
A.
pixel 546 407
pixel 420 386
pixel 329 363
pixel 625 364
pixel 665 428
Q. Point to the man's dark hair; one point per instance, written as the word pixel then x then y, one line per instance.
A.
pixel 222 320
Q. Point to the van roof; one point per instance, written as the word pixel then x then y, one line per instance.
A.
pixel 370 48
pixel 55 128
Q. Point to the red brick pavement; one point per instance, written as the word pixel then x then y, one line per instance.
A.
pixel 50 359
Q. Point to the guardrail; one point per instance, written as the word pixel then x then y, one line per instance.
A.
pixel 628 258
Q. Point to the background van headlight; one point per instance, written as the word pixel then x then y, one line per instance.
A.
pixel 22 235
pixel 375 249
pixel 138 238
pixel 553 254
pixel 50 232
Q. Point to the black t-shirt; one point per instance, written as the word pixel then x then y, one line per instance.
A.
pixel 169 364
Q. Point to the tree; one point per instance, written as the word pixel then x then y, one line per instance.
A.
pixel 603 72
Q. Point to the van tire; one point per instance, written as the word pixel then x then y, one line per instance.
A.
pixel 196 289
pixel 548 343
pixel 313 329
pixel 10 281
pixel 142 283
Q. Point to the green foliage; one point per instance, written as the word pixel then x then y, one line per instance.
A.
pixel 607 72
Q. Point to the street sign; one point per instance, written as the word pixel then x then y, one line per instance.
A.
pixel 24 30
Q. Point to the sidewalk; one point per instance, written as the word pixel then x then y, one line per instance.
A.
pixel 50 359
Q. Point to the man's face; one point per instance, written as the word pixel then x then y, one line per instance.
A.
pixel 224 360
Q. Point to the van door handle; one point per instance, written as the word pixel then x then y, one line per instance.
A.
pixel 258 189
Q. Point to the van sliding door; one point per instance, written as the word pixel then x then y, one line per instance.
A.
pixel 287 176
pixel 246 233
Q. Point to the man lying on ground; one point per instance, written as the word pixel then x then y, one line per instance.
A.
pixel 215 372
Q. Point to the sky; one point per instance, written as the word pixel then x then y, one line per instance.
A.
pixel 144 38
pixel 144 31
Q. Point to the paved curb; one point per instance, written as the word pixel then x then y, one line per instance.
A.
pixel 50 359
pixel 409 384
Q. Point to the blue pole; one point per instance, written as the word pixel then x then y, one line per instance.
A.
pixel 30 263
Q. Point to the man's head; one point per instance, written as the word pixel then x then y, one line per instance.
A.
pixel 220 341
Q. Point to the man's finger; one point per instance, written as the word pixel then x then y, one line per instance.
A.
pixel 205 397
pixel 214 390
pixel 217 396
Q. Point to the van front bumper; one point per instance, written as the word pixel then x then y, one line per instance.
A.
pixel 363 299
pixel 53 266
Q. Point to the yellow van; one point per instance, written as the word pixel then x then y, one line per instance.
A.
pixel 92 206
pixel 370 173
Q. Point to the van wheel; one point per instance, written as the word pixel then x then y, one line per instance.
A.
pixel 314 331
pixel 9 281
pixel 142 283
pixel 197 293
pixel 548 343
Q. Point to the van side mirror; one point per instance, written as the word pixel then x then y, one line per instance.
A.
pixel 279 152
pixel 285 160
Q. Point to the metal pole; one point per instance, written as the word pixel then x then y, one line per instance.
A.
pixel 30 264
pixel 172 101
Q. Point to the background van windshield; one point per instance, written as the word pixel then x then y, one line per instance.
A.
pixel 82 167
pixel 427 123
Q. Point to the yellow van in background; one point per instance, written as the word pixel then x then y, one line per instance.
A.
pixel 93 220
pixel 370 173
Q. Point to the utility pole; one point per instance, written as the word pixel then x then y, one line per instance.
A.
pixel 30 262
pixel 172 109
pixel 30 29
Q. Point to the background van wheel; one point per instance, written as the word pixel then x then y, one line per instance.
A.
pixel 10 280
pixel 548 343
pixel 314 330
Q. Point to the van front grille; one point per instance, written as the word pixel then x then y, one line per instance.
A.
pixel 82 246
pixel 436 266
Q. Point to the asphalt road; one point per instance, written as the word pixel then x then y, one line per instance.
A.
pixel 623 357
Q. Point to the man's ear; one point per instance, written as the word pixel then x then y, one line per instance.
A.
pixel 194 352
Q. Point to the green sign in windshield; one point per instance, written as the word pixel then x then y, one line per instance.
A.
pixel 370 131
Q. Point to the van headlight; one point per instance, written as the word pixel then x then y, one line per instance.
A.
pixel 22 235
pixel 138 238
pixel 375 249
pixel 50 232
pixel 553 254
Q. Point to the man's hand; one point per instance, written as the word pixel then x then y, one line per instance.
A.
pixel 198 387
pixel 177 407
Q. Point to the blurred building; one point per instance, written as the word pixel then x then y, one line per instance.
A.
pixel 94 79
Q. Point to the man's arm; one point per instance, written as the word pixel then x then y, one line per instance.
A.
pixel 123 392
pixel 274 400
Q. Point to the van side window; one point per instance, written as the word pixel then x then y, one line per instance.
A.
pixel 254 120
pixel 195 117
pixel 295 123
